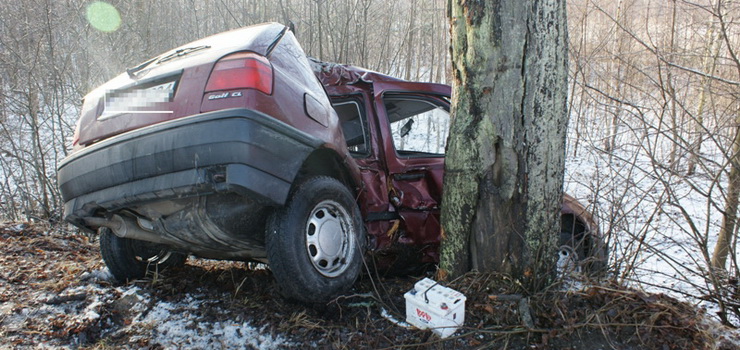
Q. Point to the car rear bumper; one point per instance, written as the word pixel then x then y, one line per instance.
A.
pixel 236 150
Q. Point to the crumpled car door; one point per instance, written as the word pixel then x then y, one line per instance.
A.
pixel 414 122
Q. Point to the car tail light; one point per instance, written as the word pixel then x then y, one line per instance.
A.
pixel 243 70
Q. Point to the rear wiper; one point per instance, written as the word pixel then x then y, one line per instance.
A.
pixel 182 52
pixel 133 70
pixel 177 53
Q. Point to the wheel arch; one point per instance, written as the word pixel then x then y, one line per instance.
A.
pixel 327 162
pixel 581 224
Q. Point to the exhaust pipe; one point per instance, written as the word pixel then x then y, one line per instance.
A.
pixel 125 227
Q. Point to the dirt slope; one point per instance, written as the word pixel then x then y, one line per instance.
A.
pixel 56 293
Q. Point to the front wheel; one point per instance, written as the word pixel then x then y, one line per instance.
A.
pixel 314 243
pixel 582 252
pixel 129 259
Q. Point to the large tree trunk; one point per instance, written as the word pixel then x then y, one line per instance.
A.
pixel 505 156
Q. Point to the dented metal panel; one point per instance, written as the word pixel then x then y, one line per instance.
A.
pixel 401 195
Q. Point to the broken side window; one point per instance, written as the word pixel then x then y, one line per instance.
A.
pixel 419 126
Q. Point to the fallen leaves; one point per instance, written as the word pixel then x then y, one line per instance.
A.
pixel 51 294
pixel 35 266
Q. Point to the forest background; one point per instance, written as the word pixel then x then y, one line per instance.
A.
pixel 653 138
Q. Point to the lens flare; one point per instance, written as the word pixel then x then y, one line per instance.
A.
pixel 103 16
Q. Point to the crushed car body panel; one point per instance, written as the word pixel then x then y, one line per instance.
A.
pixel 196 148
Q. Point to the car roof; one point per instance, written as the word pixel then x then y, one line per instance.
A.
pixel 335 74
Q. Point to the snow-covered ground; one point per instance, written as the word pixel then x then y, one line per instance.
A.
pixel 178 325
pixel 130 312
pixel 661 226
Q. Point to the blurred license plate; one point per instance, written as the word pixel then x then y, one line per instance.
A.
pixel 150 100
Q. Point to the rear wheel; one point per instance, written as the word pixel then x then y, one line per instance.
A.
pixel 314 243
pixel 129 259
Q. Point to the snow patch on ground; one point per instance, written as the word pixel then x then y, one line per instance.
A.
pixel 176 325
pixel 100 275
pixel 135 312
pixel 388 316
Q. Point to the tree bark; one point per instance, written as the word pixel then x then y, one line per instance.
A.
pixel 505 156
pixel 410 41
pixel 729 217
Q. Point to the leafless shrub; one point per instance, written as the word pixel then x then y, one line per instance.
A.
pixel 655 138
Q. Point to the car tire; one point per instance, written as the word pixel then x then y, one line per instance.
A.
pixel 587 251
pixel 315 243
pixel 129 259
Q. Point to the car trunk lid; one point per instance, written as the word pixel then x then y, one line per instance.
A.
pixel 166 87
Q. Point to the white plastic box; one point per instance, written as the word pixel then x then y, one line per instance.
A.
pixel 430 305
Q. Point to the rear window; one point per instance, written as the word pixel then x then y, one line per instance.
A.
pixel 354 126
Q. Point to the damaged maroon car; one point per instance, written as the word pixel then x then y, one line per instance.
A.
pixel 238 147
